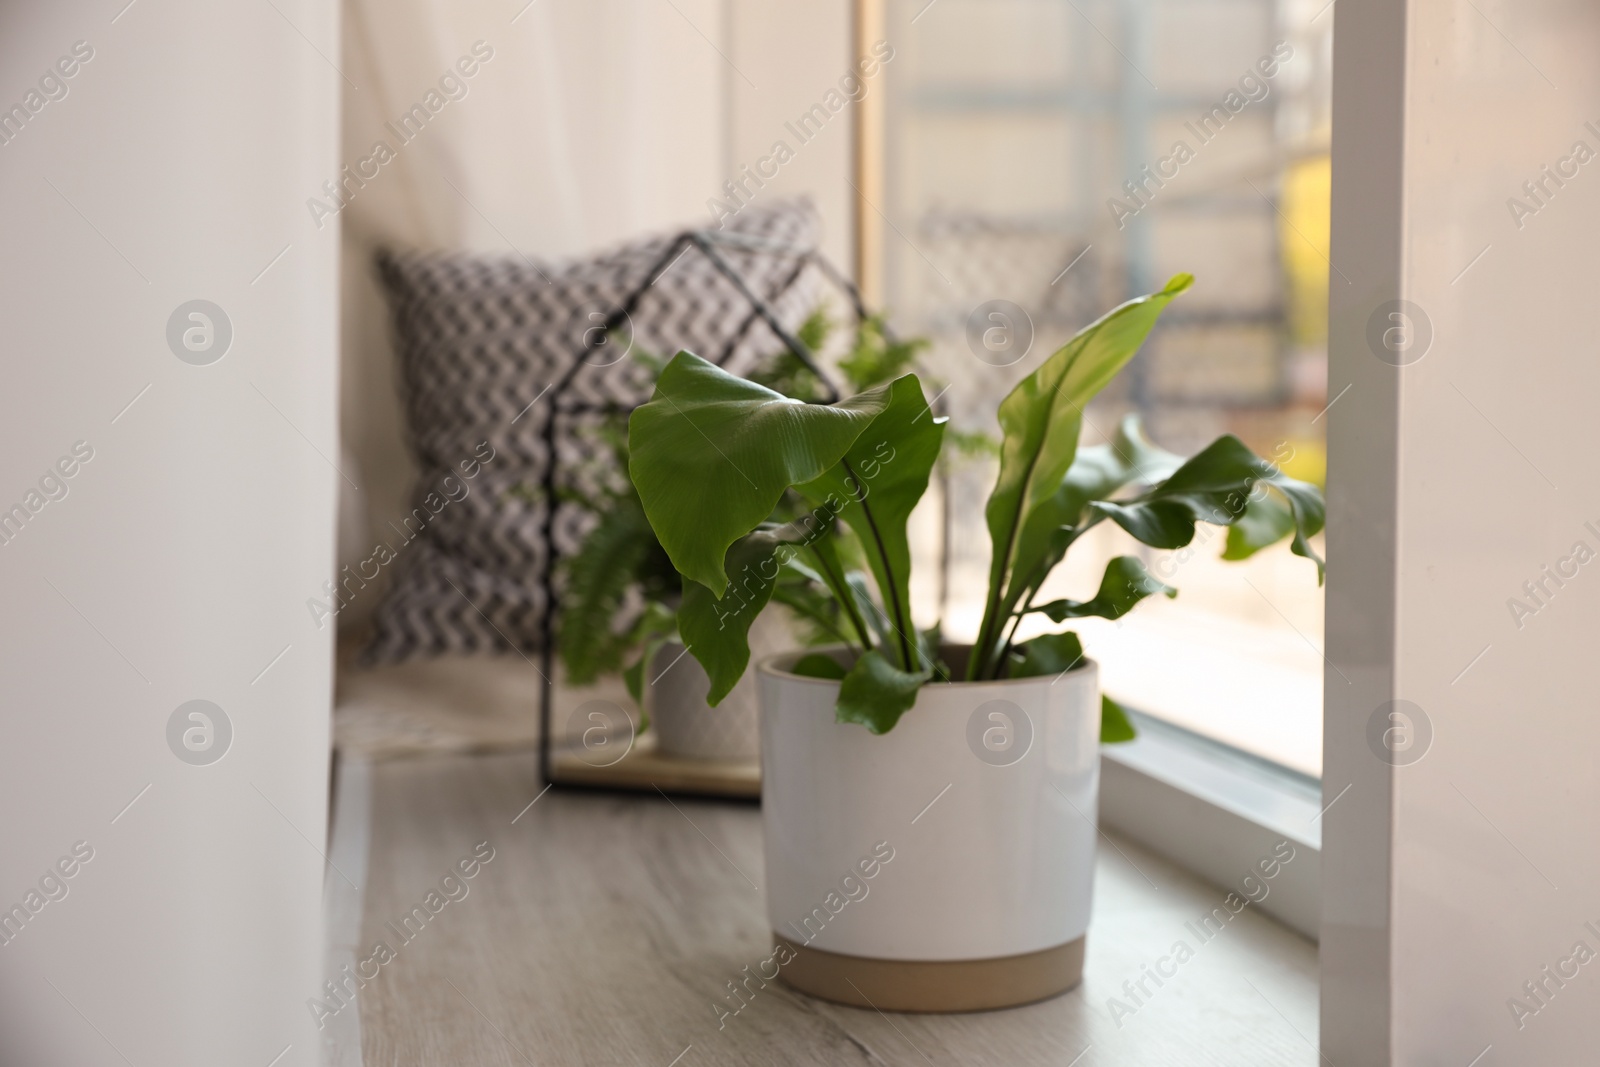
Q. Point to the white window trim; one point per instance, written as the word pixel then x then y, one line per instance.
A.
pixel 1217 811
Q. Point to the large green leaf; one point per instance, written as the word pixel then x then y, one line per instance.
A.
pixel 1045 654
pixel 875 693
pixel 1115 726
pixel 711 455
pixel 879 481
pixel 1216 485
pixel 1124 584
pixel 1267 519
pixel 1096 472
pixel 1042 419
pixel 716 629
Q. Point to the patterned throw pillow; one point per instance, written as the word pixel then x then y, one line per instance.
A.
pixel 484 344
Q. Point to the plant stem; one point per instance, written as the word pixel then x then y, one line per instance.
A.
pixel 842 593
pixel 1035 582
pixel 891 592
pixel 1005 612
pixel 1000 660
pixel 1030 591
pixel 999 567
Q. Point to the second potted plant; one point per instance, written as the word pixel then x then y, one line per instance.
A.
pixel 929 809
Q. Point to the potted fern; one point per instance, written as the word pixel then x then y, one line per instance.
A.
pixel 619 608
pixel 956 785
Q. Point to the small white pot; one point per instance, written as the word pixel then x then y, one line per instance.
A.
pixel 947 865
pixel 685 725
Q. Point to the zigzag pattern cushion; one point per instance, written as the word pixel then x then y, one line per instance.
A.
pixel 480 340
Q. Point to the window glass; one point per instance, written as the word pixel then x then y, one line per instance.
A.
pixel 1063 156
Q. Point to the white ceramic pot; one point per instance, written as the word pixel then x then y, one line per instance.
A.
pixel 947 865
pixel 685 725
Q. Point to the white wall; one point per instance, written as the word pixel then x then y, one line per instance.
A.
pixel 1454 879
pixel 177 565
pixel 790 54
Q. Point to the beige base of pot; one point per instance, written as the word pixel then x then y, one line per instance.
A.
pixel 934 985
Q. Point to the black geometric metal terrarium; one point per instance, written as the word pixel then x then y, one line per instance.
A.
pixel 599 385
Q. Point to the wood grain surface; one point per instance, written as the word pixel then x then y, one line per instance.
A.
pixel 606 928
